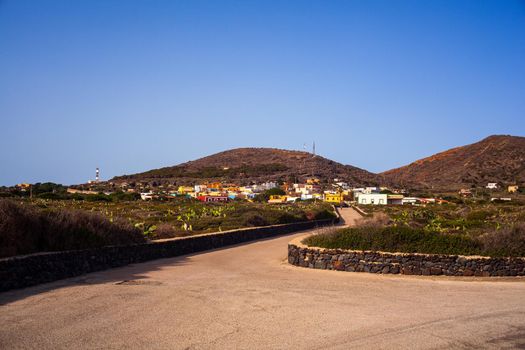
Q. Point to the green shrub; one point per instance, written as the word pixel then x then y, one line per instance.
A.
pixel 324 214
pixel 396 239
pixel 255 220
pixel 479 215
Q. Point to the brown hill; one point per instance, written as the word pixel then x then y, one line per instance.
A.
pixel 498 158
pixel 245 165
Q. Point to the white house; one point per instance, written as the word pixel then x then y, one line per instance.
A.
pixel 269 185
pixel 492 185
pixel 372 190
pixel 409 200
pixel 200 188
pixel 146 195
pixel 342 185
pixel 372 198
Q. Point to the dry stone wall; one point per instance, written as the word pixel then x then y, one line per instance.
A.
pixel 28 270
pixel 402 263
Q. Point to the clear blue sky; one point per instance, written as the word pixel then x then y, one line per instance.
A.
pixel 134 85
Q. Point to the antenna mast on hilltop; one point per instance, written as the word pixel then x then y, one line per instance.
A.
pixel 304 159
pixel 313 156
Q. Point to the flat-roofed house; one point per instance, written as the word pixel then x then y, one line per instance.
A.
pixel 372 198
pixel 395 199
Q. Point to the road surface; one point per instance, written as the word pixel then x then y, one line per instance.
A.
pixel 248 297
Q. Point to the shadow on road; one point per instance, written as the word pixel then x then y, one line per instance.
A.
pixel 126 275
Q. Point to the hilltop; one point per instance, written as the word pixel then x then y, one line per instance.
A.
pixel 497 158
pixel 245 165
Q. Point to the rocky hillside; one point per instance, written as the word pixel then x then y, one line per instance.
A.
pixel 498 158
pixel 244 165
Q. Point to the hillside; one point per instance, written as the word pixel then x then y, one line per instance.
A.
pixel 498 158
pixel 245 165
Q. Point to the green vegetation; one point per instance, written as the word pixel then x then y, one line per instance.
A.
pixel 396 239
pixel 264 196
pixel 210 172
pixel 492 229
pixel 51 225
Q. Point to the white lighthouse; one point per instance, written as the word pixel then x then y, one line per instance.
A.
pixel 97 175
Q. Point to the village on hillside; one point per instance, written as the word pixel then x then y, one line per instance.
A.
pixel 337 192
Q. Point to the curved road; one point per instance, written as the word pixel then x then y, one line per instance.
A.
pixel 248 297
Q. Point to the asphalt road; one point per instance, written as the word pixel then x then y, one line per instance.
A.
pixel 248 297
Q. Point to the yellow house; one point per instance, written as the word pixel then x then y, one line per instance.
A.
pixel 333 198
pixel 185 189
pixel 23 186
pixel 277 199
pixel 513 188
pixel 313 181
pixel 214 193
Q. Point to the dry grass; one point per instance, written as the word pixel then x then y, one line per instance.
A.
pixel 376 220
pixel 25 229
pixel 508 241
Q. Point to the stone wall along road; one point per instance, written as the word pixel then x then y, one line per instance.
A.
pixel 29 270
pixel 302 255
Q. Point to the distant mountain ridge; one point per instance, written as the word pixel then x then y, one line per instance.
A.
pixel 244 165
pixel 497 158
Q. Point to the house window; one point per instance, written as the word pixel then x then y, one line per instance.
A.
pixel 380 201
pixel 372 201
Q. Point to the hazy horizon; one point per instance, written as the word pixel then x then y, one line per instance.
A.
pixel 131 86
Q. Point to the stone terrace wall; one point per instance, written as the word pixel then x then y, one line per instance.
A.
pixel 28 270
pixel 401 263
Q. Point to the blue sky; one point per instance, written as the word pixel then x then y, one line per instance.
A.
pixel 134 85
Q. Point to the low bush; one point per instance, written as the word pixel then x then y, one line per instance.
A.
pixel 396 239
pixel 507 241
pixel 165 230
pixel 25 229
pixel 477 215
pixel 255 220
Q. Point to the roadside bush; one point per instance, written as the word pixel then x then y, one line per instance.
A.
pixel 21 229
pixel 324 214
pixel 25 229
pixel 287 218
pixel 255 220
pixel 165 231
pixel 507 241
pixel 396 239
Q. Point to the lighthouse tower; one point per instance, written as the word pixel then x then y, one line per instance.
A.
pixel 97 175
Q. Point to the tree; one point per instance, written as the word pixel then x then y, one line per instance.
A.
pixel 265 196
